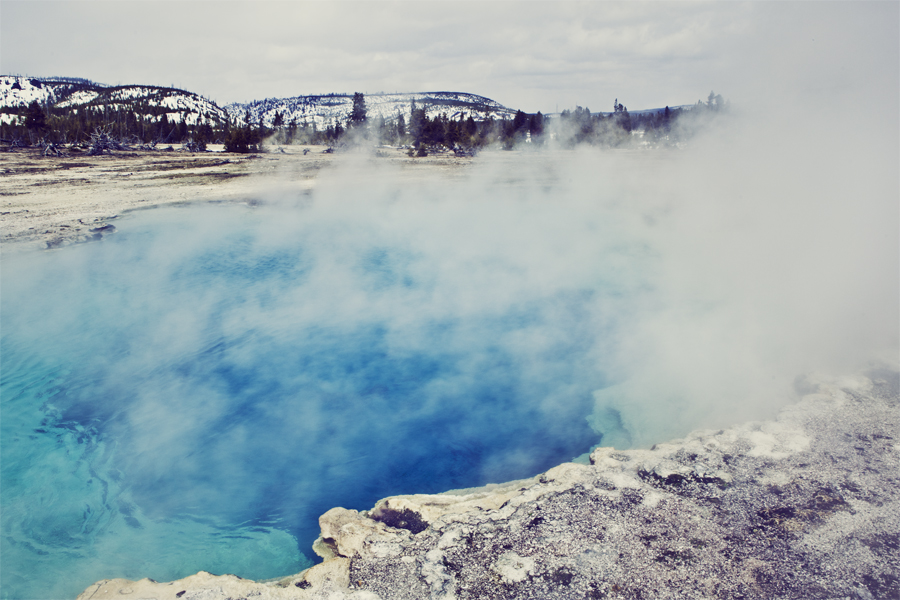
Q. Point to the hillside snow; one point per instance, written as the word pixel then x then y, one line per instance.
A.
pixel 16 93
pixel 325 110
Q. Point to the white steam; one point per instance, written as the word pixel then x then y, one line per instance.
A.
pixel 764 251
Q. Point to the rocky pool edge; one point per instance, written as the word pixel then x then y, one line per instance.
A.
pixel 804 505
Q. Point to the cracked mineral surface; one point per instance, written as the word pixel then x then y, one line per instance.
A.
pixel 806 506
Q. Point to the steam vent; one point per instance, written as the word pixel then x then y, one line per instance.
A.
pixel 805 506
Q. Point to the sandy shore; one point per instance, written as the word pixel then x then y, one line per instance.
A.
pixel 47 202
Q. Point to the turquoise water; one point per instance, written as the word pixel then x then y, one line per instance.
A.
pixel 193 391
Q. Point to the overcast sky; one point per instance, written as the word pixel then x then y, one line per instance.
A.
pixel 527 55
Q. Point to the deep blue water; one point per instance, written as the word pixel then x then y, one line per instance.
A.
pixel 193 391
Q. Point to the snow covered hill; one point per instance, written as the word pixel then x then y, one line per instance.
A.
pixel 152 102
pixel 325 110
pixel 16 93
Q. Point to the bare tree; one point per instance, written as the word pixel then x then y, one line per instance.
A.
pixel 51 149
pixel 102 141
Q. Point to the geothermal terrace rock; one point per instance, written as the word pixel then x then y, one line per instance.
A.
pixel 806 506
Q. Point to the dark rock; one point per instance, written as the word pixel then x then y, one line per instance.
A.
pixel 400 519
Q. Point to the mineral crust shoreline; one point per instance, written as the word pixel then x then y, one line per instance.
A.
pixel 805 506
pixel 47 203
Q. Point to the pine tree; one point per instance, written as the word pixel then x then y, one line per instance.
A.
pixel 384 133
pixel 292 130
pixel 401 126
pixel 163 127
pixel 520 120
pixel 417 122
pixel 454 133
pixel 35 120
pixel 471 126
pixel 237 140
pixel 536 124
pixel 358 113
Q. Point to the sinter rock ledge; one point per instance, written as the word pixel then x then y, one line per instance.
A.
pixel 806 506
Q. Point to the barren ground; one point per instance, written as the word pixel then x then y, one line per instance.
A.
pixel 46 202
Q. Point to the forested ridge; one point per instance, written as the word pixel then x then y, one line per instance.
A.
pixel 79 114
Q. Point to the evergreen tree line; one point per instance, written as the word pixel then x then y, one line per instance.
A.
pixel 148 124
pixel 417 131
pixel 422 133
pixel 620 128
pixel 145 125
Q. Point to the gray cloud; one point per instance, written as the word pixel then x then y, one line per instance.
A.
pixel 532 55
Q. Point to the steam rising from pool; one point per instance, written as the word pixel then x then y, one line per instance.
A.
pixel 194 391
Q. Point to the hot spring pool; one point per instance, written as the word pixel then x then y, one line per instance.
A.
pixel 194 391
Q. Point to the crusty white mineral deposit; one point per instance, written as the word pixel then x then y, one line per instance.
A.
pixel 805 506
